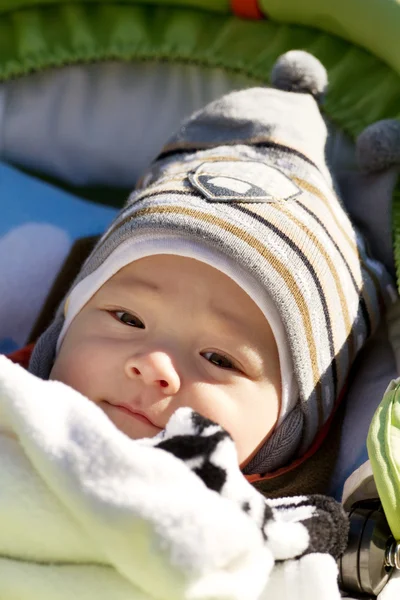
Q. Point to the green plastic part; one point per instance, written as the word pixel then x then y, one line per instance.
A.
pixel 383 444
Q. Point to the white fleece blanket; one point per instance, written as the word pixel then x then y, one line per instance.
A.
pixel 87 513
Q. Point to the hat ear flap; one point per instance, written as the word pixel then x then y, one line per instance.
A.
pixel 368 192
pixel 299 71
pixel 378 146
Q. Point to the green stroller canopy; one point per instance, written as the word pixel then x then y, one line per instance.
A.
pixel 356 40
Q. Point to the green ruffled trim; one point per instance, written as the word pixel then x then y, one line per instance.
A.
pixel 221 6
pixel 362 88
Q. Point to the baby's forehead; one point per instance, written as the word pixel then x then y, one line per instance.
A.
pixel 190 284
pixel 160 272
pixel 164 273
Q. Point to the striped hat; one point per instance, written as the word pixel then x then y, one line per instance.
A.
pixel 244 186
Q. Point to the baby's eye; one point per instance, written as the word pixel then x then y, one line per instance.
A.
pixel 219 360
pixel 129 319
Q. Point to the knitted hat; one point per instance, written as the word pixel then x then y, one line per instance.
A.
pixel 244 186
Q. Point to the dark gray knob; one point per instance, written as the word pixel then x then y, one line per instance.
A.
pixel 363 566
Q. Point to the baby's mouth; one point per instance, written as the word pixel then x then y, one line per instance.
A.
pixel 136 414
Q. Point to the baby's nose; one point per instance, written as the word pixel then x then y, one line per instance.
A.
pixel 155 368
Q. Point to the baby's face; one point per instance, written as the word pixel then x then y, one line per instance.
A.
pixel 166 332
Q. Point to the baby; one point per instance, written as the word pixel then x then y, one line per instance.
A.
pixel 232 282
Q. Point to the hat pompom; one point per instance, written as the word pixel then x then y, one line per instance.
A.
pixel 378 146
pixel 299 71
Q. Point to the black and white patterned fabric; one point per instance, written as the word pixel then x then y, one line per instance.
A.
pixel 209 451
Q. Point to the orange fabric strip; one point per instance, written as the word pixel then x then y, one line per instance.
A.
pixel 246 9
pixel 22 356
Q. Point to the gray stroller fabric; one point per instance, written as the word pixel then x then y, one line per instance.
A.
pixel 102 124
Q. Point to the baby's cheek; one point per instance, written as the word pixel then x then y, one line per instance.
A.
pixel 76 367
pixel 218 403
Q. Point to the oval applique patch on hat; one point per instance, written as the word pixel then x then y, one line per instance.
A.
pixel 242 181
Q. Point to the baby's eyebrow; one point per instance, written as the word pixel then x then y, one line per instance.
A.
pixel 137 282
pixel 228 316
pixel 220 312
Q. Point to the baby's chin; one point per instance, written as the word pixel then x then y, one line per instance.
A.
pixel 131 425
